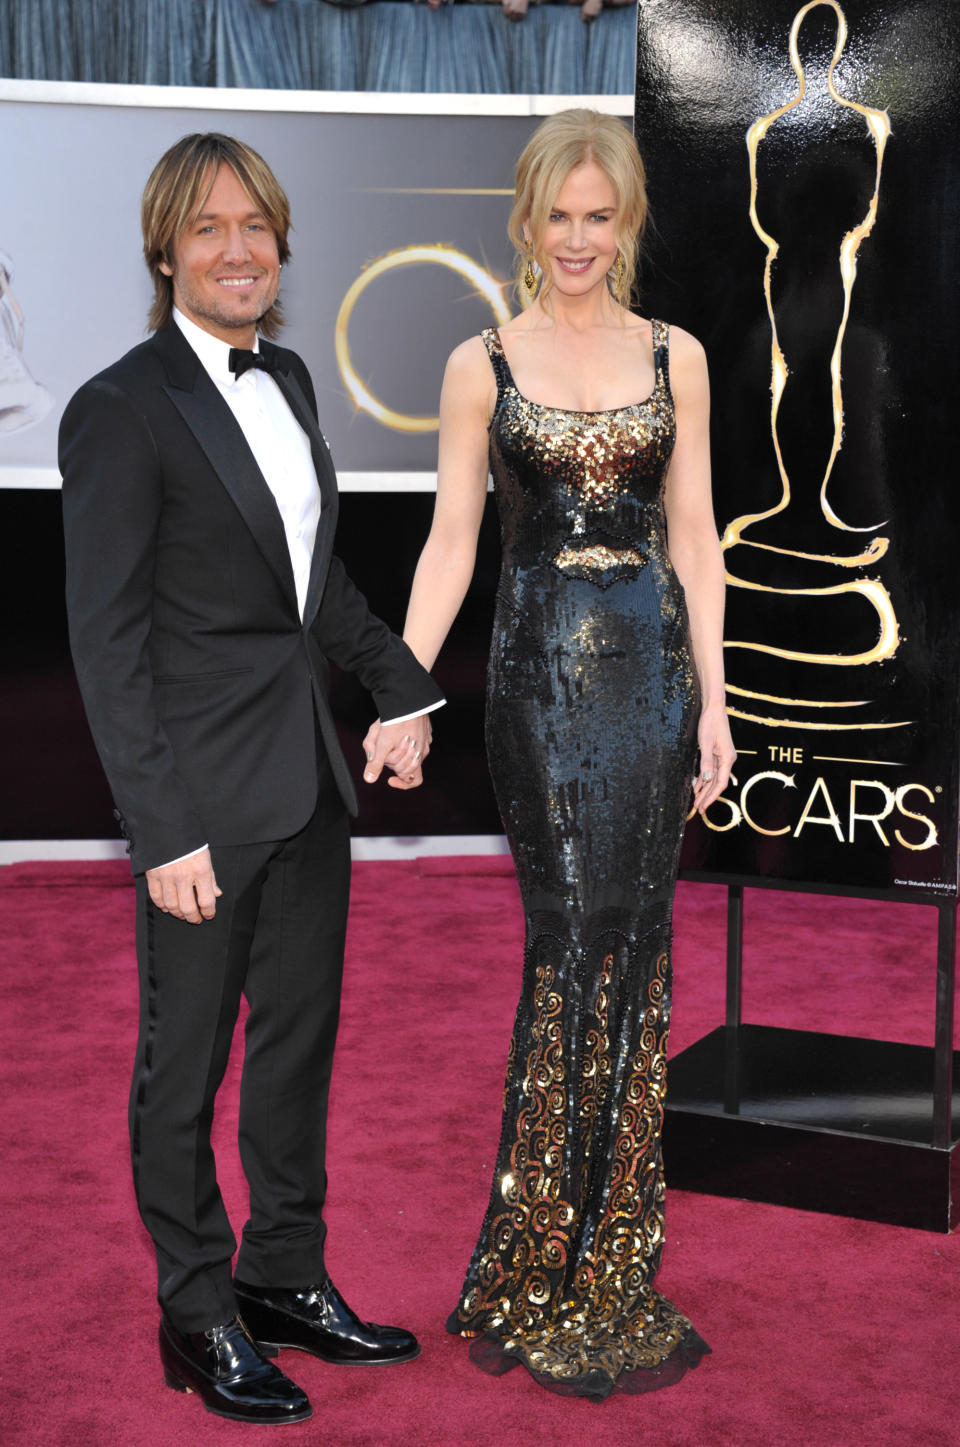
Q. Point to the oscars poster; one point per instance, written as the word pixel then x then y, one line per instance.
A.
pixel 803 178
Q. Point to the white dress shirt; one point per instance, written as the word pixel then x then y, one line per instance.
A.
pixel 277 441
pixel 282 452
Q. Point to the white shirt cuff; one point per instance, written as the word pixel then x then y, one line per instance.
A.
pixel 183 856
pixel 406 717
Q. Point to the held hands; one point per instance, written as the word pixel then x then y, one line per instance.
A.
pixel 187 889
pixel 717 757
pixel 402 747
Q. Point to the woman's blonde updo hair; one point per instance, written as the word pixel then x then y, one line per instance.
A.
pixel 560 143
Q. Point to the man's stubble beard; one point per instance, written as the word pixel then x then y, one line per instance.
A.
pixel 230 322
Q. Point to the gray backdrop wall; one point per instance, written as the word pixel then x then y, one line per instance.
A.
pixel 364 187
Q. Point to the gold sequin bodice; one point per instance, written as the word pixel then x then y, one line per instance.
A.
pixel 582 491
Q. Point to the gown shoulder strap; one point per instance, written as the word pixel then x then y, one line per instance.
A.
pixel 498 359
pixel 661 350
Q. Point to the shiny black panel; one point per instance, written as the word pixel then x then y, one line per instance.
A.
pixel 51 783
pixel 823 1123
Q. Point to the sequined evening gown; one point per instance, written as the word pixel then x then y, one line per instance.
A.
pixel 592 707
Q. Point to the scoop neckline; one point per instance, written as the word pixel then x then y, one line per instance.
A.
pixel 580 411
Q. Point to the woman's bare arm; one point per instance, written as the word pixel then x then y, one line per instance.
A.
pixel 695 553
pixel 449 554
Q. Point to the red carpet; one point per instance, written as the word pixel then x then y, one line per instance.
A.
pixel 825 1331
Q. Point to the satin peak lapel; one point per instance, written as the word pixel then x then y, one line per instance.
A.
pixel 326 481
pixel 221 437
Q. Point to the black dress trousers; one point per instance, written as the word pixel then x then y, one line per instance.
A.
pixel 278 938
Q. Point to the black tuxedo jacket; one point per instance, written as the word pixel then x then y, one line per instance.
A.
pixel 200 681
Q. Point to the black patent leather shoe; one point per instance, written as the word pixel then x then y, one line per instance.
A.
pixel 317 1319
pixel 229 1373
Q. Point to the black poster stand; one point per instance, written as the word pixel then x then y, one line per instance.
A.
pixel 836 1123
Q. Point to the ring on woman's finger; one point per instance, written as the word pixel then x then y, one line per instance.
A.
pixel 706 775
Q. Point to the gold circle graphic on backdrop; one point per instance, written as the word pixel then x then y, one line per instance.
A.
pixel 435 255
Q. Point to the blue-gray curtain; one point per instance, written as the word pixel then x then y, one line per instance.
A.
pixel 312 45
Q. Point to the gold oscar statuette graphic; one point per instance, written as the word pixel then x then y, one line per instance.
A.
pixel 806 712
pixel 483 284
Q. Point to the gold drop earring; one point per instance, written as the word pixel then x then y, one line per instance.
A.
pixel 619 271
pixel 530 282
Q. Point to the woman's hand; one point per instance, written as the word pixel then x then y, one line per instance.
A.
pixel 401 748
pixel 717 757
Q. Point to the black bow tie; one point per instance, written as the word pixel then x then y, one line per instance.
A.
pixel 240 361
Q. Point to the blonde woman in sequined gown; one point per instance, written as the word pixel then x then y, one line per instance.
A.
pixel 605 678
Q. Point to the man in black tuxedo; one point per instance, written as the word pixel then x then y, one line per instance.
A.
pixel 205 603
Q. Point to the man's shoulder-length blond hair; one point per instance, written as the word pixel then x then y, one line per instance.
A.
pixel 179 185
pixel 560 143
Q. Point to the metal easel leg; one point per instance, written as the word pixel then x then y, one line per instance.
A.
pixel 943 1038
pixel 731 1073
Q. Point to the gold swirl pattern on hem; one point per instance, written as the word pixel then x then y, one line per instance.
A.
pixel 532 1236
pixel 606 1318
pixel 595 1071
